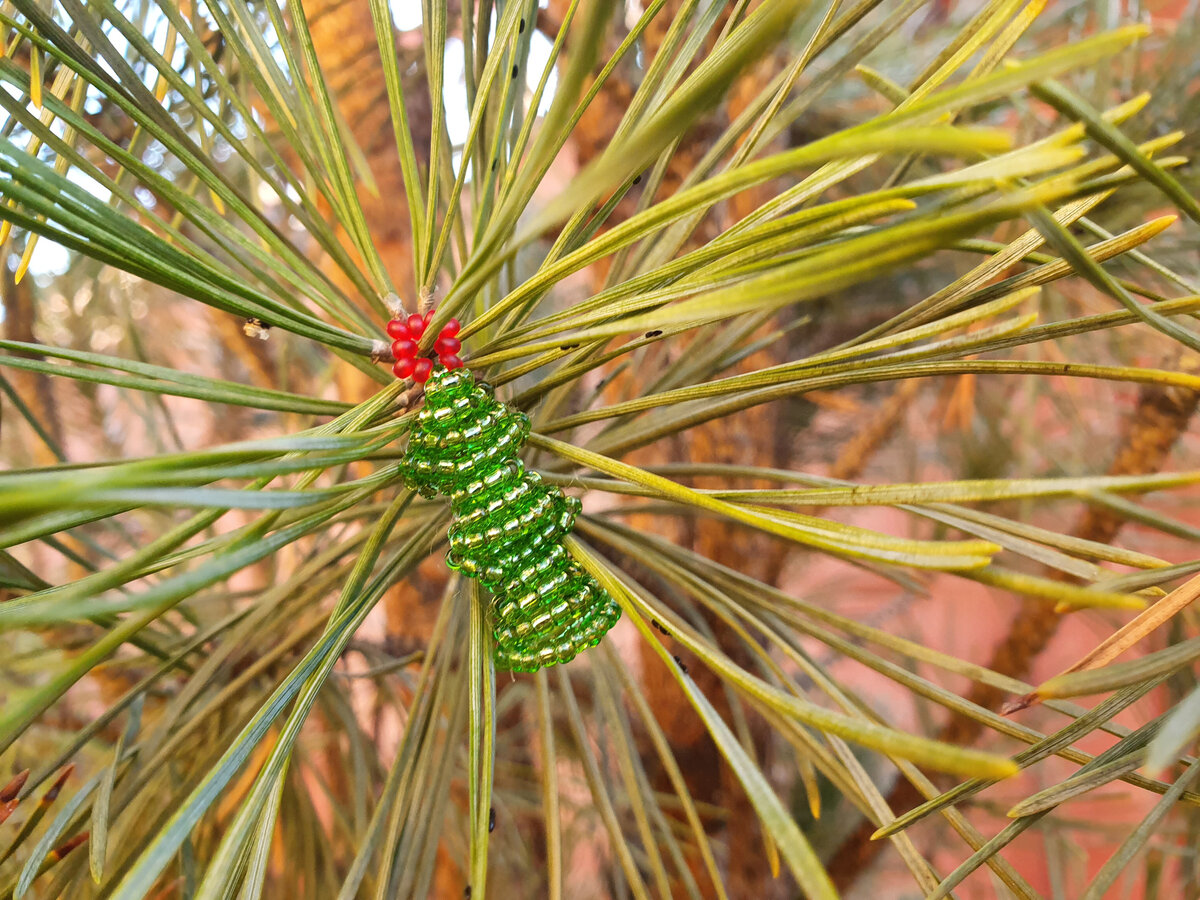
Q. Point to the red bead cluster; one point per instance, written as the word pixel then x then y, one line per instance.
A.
pixel 406 333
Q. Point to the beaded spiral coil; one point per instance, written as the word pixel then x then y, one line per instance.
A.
pixel 508 525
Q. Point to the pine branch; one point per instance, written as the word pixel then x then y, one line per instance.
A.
pixel 1157 422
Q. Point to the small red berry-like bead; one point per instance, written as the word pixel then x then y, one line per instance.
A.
pixel 404 367
pixel 404 348
pixel 450 329
pixel 451 362
pixel 422 370
pixel 447 345
pixel 397 329
pixel 428 318
pixel 416 326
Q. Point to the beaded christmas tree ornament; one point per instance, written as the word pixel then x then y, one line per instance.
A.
pixel 508 524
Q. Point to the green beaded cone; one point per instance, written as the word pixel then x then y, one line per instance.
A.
pixel 508 525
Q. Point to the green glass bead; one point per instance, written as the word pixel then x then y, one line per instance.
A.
pixel 508 525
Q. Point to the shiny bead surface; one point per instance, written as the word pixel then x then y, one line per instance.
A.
pixel 508 525
pixel 404 347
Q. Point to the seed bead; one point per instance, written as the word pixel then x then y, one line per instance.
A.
pixel 404 347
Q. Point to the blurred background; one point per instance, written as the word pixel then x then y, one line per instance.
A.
pixel 911 431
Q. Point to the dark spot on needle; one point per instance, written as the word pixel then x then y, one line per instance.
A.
pixel 655 333
pixel 492 819
pixel 679 662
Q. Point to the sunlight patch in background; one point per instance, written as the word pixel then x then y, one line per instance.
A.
pixel 407 15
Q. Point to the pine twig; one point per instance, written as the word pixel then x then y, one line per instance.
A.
pixel 859 449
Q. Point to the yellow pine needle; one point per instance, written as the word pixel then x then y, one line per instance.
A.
pixel 62 82
pixel 772 853
pixel 26 256
pixel 162 85
pixel 1008 37
pixel 35 76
